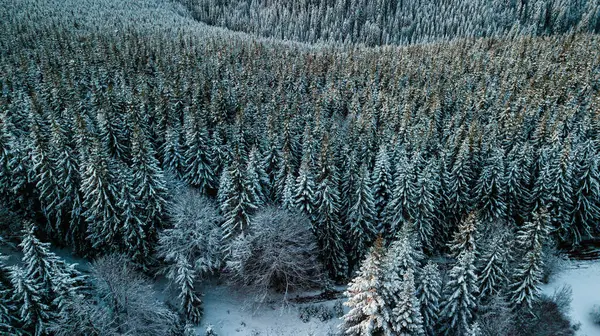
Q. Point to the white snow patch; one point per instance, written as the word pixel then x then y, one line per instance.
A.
pixel 232 314
pixel 584 279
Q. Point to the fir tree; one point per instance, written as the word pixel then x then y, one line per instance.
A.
pixel 464 238
pixel 173 150
pixel 403 194
pixel 147 182
pixel 382 183
pixel 491 187
pixel 33 313
pixel 368 314
pixel 190 302
pixel 304 190
pixel 459 304
pixel 256 178
pixel 527 276
pixel 198 156
pixel 237 202
pixel 429 294
pixel 407 319
pixel 492 273
pixel 327 226
pixel 361 217
pixel 100 198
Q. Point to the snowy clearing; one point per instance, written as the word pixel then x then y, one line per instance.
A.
pixel 584 279
pixel 230 315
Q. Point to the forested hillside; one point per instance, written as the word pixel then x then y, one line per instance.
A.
pixel 438 178
pixel 384 22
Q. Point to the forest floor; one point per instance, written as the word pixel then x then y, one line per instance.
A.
pixel 584 279
pixel 233 314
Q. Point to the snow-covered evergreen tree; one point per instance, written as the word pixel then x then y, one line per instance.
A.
pixel 33 313
pixel 327 225
pixel 361 217
pixel 459 301
pixel 382 185
pixel 429 292
pixel 407 319
pixel 147 182
pixel 237 201
pixel 527 276
pixel 304 193
pixel 199 171
pixel 491 187
pixel 493 268
pixel 464 238
pixel 173 150
pixel 190 301
pixel 368 315
pixel 404 191
pixel 100 197
pixel 256 178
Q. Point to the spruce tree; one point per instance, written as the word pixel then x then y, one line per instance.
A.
pixel 362 217
pixel 429 293
pixel 256 178
pixel 492 272
pixel 407 319
pixel 173 150
pixel 327 226
pixel 190 301
pixel 527 276
pixel 403 194
pixel 100 197
pixel 148 185
pixel 304 194
pixel 237 201
pixel 490 188
pixel 464 238
pixel 382 183
pixel 33 313
pixel 459 304
pixel 199 171
pixel 368 314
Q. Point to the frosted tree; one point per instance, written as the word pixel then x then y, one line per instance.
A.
pixel 423 207
pixel 586 176
pixel 304 193
pixel 407 319
pixel 404 191
pixel 199 171
pixel 256 178
pixel 112 131
pixel 67 175
pixel 173 150
pixel 382 185
pixel 45 178
pixel 287 199
pixel 237 202
pixel 459 182
pixel 133 226
pixel 464 238
pixel 190 301
pixel 527 276
pixel 362 216
pixel 39 263
pixel 148 182
pixel 491 187
pixel 518 181
pixel 100 198
pixel 460 303
pixel 327 226
pixel 368 313
pixel 33 313
pixel 492 271
pixel 429 293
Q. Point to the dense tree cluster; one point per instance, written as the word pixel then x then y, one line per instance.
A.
pixel 384 22
pixel 433 148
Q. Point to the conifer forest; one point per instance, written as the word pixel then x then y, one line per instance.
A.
pixel 363 168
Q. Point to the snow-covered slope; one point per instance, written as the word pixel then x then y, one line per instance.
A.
pixel 584 279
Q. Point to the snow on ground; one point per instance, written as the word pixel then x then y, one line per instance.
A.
pixel 584 279
pixel 231 315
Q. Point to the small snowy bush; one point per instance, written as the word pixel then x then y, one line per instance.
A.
pixel 210 331
pixel 338 309
pixel 595 313
pixel 278 253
